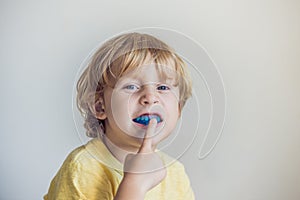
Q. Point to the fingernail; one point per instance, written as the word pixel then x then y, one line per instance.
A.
pixel 153 121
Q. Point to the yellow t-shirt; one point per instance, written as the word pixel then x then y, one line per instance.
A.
pixel 91 172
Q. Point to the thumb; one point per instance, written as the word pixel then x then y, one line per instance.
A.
pixel 146 146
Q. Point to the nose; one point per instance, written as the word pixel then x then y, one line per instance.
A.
pixel 149 95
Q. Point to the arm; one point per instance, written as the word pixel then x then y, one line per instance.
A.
pixel 142 171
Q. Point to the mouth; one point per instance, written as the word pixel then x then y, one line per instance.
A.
pixel 144 119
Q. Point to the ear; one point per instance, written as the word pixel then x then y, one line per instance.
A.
pixel 99 109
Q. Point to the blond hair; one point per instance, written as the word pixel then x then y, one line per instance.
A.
pixel 116 57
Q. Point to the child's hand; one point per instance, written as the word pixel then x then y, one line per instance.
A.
pixel 142 171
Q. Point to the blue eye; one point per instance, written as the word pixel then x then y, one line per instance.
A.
pixel 163 87
pixel 131 87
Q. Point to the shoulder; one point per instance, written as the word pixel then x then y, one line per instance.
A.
pixel 80 155
pixel 79 158
pixel 173 165
pixel 82 176
pixel 176 172
pixel 177 179
pixel 81 161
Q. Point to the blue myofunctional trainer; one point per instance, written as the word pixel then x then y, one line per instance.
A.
pixel 145 119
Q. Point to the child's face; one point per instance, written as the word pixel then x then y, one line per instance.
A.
pixel 138 96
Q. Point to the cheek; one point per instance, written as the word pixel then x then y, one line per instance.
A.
pixel 172 104
pixel 117 100
pixel 118 108
pixel 172 110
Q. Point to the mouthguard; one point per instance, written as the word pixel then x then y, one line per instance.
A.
pixel 145 119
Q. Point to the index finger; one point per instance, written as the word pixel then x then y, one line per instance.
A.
pixel 146 146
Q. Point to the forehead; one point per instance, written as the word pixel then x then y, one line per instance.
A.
pixel 152 72
pixel 140 63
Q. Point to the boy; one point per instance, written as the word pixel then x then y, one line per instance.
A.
pixel 131 95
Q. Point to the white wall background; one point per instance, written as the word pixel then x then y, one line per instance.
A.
pixel 255 43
